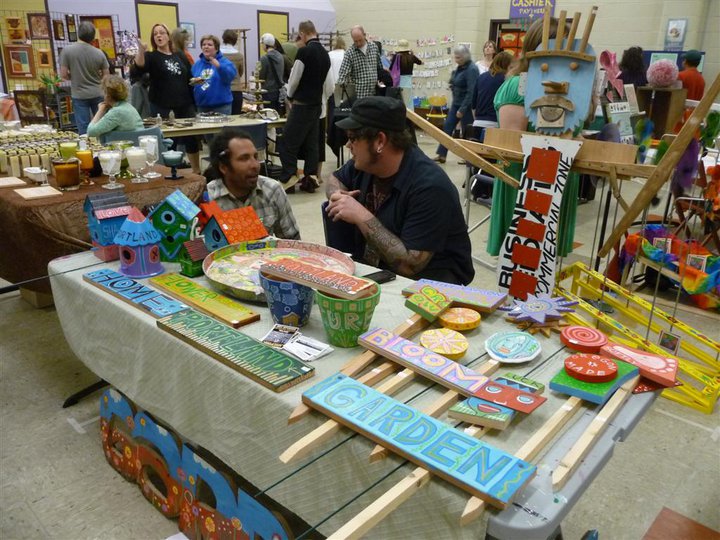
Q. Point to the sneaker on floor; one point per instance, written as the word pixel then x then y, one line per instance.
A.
pixel 439 159
pixel 307 185
pixel 294 179
pixel 313 180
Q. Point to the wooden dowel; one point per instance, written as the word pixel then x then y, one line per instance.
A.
pixel 573 31
pixel 560 30
pixel 588 29
pixel 546 29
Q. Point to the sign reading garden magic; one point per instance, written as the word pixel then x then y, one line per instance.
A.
pixel 530 9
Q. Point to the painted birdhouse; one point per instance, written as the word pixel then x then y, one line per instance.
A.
pixel 138 243
pixel 173 218
pixel 191 257
pixel 106 212
pixel 207 210
pixel 233 226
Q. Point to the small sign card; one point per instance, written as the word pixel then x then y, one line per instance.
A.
pixel 280 335
pixel 306 348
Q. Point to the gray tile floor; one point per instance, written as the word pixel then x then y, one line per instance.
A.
pixel 55 483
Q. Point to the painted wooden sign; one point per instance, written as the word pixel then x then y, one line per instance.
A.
pixel 428 302
pixel 434 366
pixel 135 293
pixel 526 263
pixel 261 363
pixel 470 464
pixel 483 413
pixel 540 308
pixel 660 369
pixel 444 341
pixel 507 396
pixel 590 367
pixel 583 339
pixel 327 281
pixel 593 392
pixel 208 301
pixel 481 300
pixel 460 319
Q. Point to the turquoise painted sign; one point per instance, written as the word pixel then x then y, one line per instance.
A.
pixel 471 464
pixel 135 293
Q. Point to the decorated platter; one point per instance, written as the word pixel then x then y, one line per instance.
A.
pixel 512 347
pixel 234 269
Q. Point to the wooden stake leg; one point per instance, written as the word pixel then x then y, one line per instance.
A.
pixel 528 451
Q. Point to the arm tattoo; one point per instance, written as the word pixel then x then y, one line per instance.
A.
pixel 404 261
pixel 334 185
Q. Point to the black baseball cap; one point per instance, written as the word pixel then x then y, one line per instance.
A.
pixel 380 112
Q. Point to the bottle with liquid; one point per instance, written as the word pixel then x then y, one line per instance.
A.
pixel 171 117
pixel 158 120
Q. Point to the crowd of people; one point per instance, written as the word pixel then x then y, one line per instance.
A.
pixel 390 205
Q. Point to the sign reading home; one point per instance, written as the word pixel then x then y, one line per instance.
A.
pixel 471 464
pixel 528 254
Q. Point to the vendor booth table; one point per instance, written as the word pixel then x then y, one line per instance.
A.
pixel 245 424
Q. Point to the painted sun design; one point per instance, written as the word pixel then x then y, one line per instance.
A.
pixel 540 308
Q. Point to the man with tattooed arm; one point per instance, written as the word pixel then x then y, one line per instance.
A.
pixel 405 210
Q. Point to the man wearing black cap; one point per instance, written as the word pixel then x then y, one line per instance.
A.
pixel 405 209
pixel 691 78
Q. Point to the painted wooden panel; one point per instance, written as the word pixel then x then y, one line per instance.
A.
pixel 657 368
pixel 593 392
pixel 327 281
pixel 481 300
pixel 521 383
pixel 135 293
pixel 434 366
pixel 507 396
pixel 471 464
pixel 261 363
pixel 206 300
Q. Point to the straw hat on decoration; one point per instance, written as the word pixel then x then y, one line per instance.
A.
pixel 403 45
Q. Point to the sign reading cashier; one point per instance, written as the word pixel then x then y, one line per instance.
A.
pixel 530 9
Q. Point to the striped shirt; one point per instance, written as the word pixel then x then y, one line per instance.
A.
pixel 269 201
pixel 361 68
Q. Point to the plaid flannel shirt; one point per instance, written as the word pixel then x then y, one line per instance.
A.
pixel 361 68
pixel 269 201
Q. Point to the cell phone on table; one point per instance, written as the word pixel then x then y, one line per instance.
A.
pixel 381 276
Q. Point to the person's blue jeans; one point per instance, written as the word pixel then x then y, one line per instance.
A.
pixel 450 123
pixel 84 110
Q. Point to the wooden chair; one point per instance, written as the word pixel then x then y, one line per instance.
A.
pixel 32 106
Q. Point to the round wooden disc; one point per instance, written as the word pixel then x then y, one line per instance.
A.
pixel 449 343
pixel 512 347
pixel 583 339
pixel 591 368
pixel 459 318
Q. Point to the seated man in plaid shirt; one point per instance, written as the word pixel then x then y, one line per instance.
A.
pixel 233 158
pixel 361 64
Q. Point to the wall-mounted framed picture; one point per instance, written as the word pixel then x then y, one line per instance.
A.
pixel 19 61
pixel 58 29
pixel 17 35
pixel 44 58
pixel 31 105
pixel 675 34
pixel 104 33
pixel 39 24
pixel 71 27
pixel 190 28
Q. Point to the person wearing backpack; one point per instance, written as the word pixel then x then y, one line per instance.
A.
pixel 401 70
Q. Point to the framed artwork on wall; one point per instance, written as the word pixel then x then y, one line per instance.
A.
pixel 16 30
pixel 39 24
pixel 31 106
pixel 58 29
pixel 71 28
pixel 104 33
pixel 190 27
pixel 44 58
pixel 675 34
pixel 18 61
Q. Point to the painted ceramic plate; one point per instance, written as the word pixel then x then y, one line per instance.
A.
pixel 234 269
pixel 512 347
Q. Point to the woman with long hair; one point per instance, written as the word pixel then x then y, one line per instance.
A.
pixel 489 52
pixel 170 88
pixel 632 67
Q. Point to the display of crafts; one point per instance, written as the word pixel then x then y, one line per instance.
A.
pixel 539 313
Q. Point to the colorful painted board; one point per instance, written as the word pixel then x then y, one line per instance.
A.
pixel 234 269
pixel 209 302
pixel 460 319
pixel 646 385
pixel 449 343
pixel 261 363
pixel 481 300
pixel 483 413
pixel 428 302
pixel 469 463
pixel 512 347
pixel 540 308
pixel 155 303
pixel 593 392
pixel 661 369
pixel 507 396
pixel 583 339
pixel 531 268
pixel 590 367
pixel 436 367
pixel 336 283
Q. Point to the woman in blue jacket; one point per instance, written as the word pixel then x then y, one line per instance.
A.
pixel 462 84
pixel 212 77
